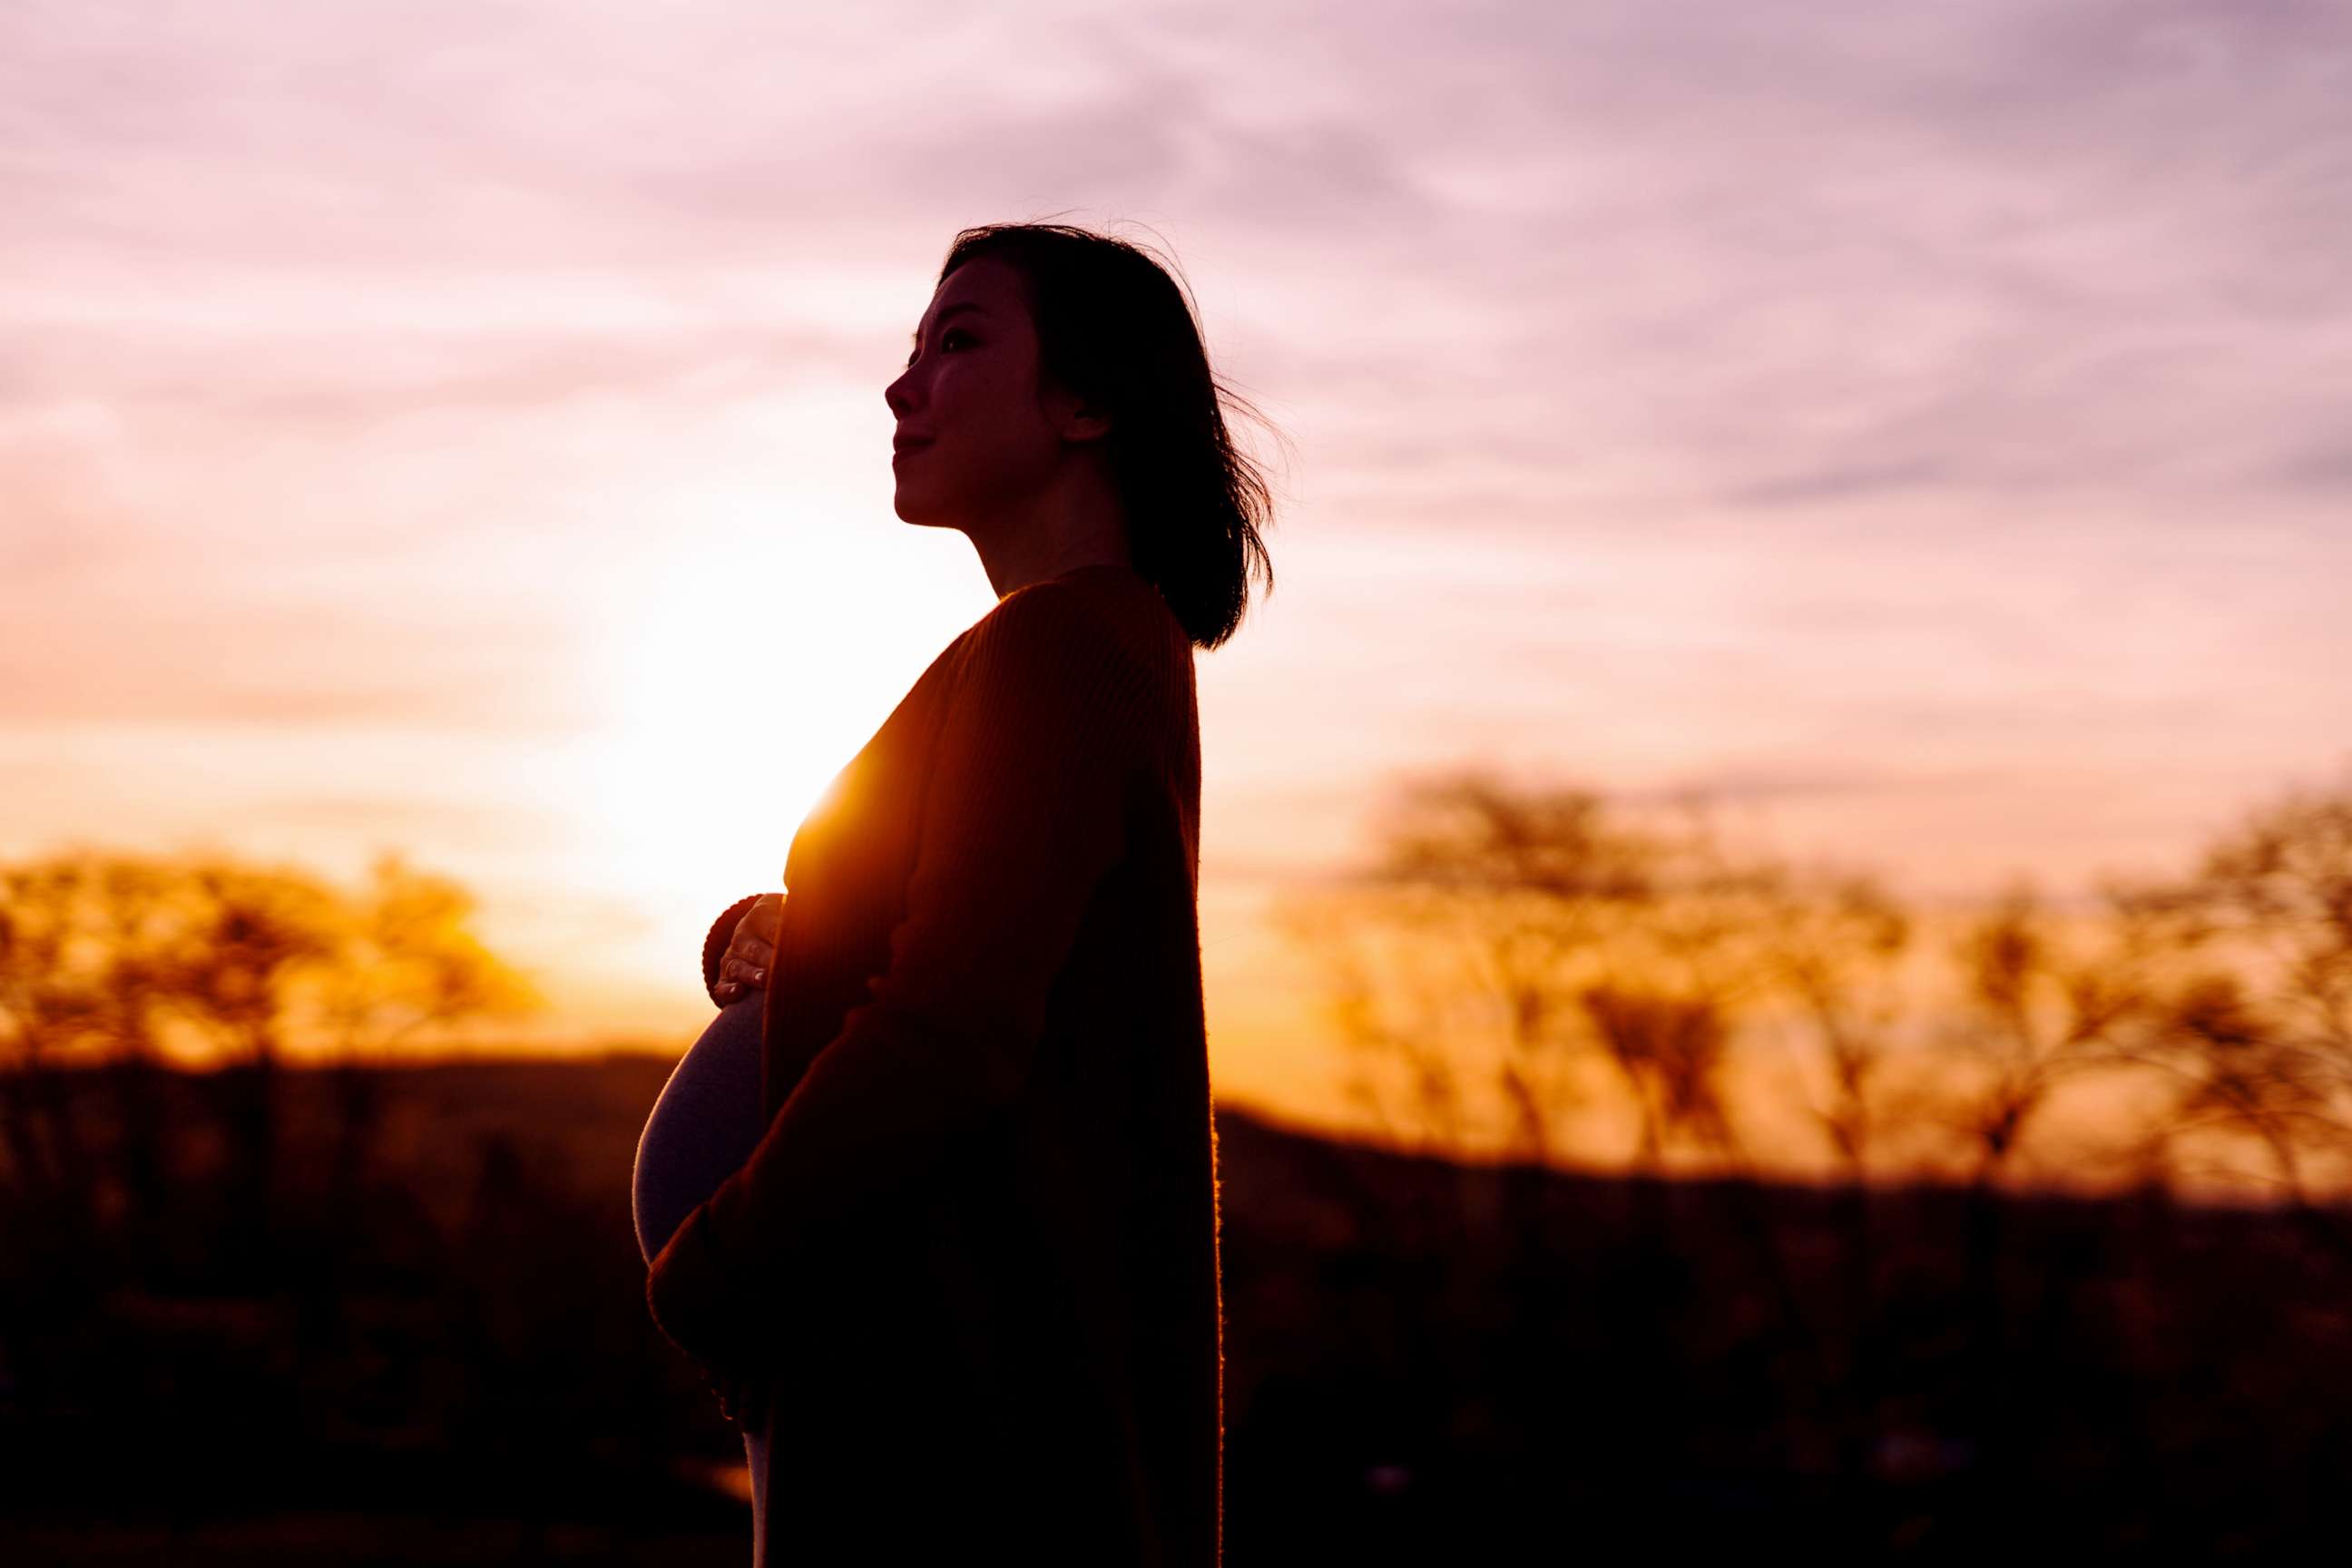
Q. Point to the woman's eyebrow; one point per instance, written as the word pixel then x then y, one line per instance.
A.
pixel 972 305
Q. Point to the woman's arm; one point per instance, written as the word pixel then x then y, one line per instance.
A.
pixel 1025 815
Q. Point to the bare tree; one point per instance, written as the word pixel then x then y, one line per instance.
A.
pixel 1694 964
pixel 51 1004
pixel 409 971
pixel 2256 1027
pixel 1834 946
pixel 1637 951
pixel 1457 957
pixel 103 955
pixel 2036 1011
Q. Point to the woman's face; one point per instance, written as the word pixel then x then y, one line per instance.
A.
pixel 968 401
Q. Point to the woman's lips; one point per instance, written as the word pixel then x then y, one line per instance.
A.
pixel 901 450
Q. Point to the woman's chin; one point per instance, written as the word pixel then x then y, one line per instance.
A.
pixel 912 512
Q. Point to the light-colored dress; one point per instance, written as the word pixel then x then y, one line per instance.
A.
pixel 703 1127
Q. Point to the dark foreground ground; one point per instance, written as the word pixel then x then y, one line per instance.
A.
pixel 398 1317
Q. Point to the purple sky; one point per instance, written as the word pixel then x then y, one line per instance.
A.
pixel 460 426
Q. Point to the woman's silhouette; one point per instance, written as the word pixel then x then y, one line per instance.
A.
pixel 957 1271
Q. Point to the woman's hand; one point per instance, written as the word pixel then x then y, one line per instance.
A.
pixel 752 952
pixel 742 1400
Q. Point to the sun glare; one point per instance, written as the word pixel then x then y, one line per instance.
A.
pixel 716 749
pixel 741 679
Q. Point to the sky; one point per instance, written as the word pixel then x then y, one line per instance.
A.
pixel 458 427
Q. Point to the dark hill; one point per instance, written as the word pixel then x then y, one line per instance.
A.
pixel 417 1323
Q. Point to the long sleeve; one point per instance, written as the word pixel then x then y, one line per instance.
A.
pixel 720 937
pixel 1023 816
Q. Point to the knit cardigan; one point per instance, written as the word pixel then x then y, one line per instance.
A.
pixel 975 1255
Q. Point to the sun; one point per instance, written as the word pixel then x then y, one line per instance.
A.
pixel 740 680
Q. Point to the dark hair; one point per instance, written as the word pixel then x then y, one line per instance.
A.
pixel 1114 330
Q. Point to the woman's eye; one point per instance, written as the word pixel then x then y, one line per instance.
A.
pixel 944 337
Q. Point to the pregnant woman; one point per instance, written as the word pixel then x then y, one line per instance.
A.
pixel 933 1200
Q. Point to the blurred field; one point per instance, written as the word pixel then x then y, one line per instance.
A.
pixel 449 1359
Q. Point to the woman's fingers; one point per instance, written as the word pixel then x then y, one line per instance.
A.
pixel 751 951
pixel 735 971
pixel 755 934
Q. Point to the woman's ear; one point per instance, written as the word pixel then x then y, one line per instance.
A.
pixel 1073 416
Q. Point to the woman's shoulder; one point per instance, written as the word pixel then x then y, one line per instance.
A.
pixel 1073 667
pixel 1110 616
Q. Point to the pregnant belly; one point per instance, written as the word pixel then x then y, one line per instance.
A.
pixel 703 1127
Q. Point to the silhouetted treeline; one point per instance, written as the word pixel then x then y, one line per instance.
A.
pixel 144 962
pixel 1511 960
